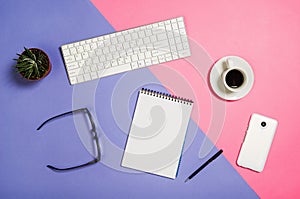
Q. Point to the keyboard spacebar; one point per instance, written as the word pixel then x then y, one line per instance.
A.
pixel 114 70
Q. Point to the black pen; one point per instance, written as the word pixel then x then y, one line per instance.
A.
pixel 204 165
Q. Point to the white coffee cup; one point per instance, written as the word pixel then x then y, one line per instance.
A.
pixel 234 77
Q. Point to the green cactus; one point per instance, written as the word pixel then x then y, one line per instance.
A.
pixel 32 64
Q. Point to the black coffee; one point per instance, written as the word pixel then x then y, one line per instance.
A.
pixel 234 78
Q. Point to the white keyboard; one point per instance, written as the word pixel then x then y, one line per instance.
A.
pixel 126 50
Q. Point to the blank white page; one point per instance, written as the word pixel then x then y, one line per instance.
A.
pixel 157 133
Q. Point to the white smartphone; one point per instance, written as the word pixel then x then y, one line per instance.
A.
pixel 257 142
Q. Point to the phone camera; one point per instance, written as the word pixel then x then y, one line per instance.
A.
pixel 263 124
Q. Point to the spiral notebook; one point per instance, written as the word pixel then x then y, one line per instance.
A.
pixel 157 133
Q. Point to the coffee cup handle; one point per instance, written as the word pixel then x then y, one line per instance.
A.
pixel 229 63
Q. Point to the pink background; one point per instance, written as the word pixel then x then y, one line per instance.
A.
pixel 266 34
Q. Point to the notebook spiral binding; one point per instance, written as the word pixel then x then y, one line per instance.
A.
pixel 166 96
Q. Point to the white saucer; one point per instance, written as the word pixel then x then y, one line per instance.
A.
pixel 216 79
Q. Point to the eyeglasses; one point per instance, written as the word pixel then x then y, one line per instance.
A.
pixel 92 131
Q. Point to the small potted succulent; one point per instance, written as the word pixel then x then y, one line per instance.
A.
pixel 33 64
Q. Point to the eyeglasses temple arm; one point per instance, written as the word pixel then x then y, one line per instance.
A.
pixel 75 167
pixel 63 114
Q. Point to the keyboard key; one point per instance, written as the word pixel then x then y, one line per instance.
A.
pixel 87 47
pixel 141 34
pixel 112 70
pixel 162 36
pixel 155 60
pixel 127 37
pixel 134 58
pixel 121 61
pixel 161 59
pixel 179 46
pixel 94 75
pixel 93 46
pixel 156 53
pixel 95 60
pixel 134 65
pixel 126 45
pixel 148 33
pixel 174 26
pixel 119 47
pixel 127 59
pixel 116 55
pixel 80 78
pixel 177 40
pixel 141 63
pixel 153 38
pixel 73 80
pixel 108 57
pixel 72 66
pixel 78 57
pixel 168 56
pixel 66 52
pixel 148 54
pixel 121 39
pixel 87 77
pixel 148 62
pixel 161 44
pixel 114 63
pixel 141 56
pixel 114 41
pixel 184 53
pixel 73 72
pixel 69 59
pixel 180 24
pixel 73 51
pixel 134 35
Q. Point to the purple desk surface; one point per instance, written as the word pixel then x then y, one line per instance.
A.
pixel 25 152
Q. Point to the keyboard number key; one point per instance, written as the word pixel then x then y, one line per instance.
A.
pixel 87 47
pixel 134 35
pixel 79 49
pixel 93 46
